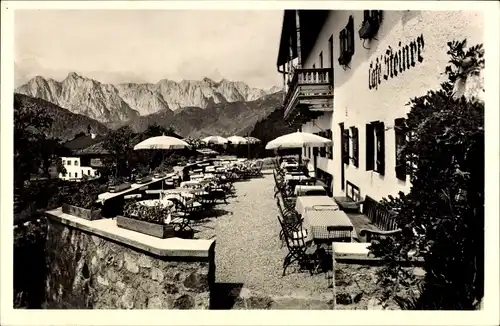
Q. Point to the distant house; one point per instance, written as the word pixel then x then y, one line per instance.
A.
pixel 86 157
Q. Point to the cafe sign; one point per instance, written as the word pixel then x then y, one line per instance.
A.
pixel 395 61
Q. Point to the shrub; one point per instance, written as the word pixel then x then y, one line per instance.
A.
pixel 154 214
pixel 442 217
pixel 85 196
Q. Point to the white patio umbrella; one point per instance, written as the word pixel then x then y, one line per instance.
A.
pixel 237 140
pixel 253 140
pixel 162 142
pixel 297 140
pixel 218 140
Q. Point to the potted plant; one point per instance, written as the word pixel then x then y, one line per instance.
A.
pixel 148 220
pixel 142 174
pixel 117 184
pixel 83 202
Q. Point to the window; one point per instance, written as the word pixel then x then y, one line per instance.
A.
pixel 345 146
pixel 76 174
pixel 375 147
pixel 309 152
pixel 355 143
pixel 69 162
pixel 76 163
pixel 88 172
pixel 373 16
pixel 322 150
pixel 70 174
pixel 321 59
pixel 96 173
pixel 400 134
pixel 346 41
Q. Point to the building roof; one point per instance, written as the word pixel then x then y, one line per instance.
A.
pixel 83 142
pixel 311 22
pixel 95 149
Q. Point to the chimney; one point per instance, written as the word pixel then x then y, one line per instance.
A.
pixel 92 134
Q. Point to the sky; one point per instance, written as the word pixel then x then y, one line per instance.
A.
pixel 115 46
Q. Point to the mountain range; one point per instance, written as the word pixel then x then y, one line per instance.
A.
pixel 115 104
pixel 191 108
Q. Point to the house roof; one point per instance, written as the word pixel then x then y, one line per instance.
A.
pixel 95 149
pixel 83 142
pixel 311 22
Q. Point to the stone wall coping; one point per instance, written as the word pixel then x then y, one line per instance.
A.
pixel 107 228
pixel 358 253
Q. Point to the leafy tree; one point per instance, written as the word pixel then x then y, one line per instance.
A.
pixel 120 145
pixel 31 123
pixel 442 217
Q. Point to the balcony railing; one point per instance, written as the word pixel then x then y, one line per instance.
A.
pixel 311 87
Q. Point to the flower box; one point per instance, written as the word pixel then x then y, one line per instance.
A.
pixel 119 187
pixel 161 231
pixel 88 214
pixel 144 179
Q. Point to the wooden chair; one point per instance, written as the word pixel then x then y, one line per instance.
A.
pixel 298 251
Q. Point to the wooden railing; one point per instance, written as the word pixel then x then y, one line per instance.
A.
pixel 317 76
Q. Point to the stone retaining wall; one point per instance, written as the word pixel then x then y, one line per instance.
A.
pixel 90 271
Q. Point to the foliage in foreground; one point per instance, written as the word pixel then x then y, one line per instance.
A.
pixel 442 217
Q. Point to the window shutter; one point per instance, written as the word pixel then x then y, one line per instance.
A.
pixel 400 142
pixel 355 144
pixel 381 148
pixel 369 147
pixel 350 35
pixel 346 146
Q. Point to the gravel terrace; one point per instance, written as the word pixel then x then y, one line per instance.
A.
pixel 248 249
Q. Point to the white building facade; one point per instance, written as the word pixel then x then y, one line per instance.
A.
pixel 358 98
pixel 75 171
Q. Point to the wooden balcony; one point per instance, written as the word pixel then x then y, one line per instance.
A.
pixel 310 91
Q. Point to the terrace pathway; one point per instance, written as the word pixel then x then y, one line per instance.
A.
pixel 249 258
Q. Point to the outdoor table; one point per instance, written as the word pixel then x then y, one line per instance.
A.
pixel 304 202
pixel 301 190
pixel 316 222
pixel 299 177
pixel 154 202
